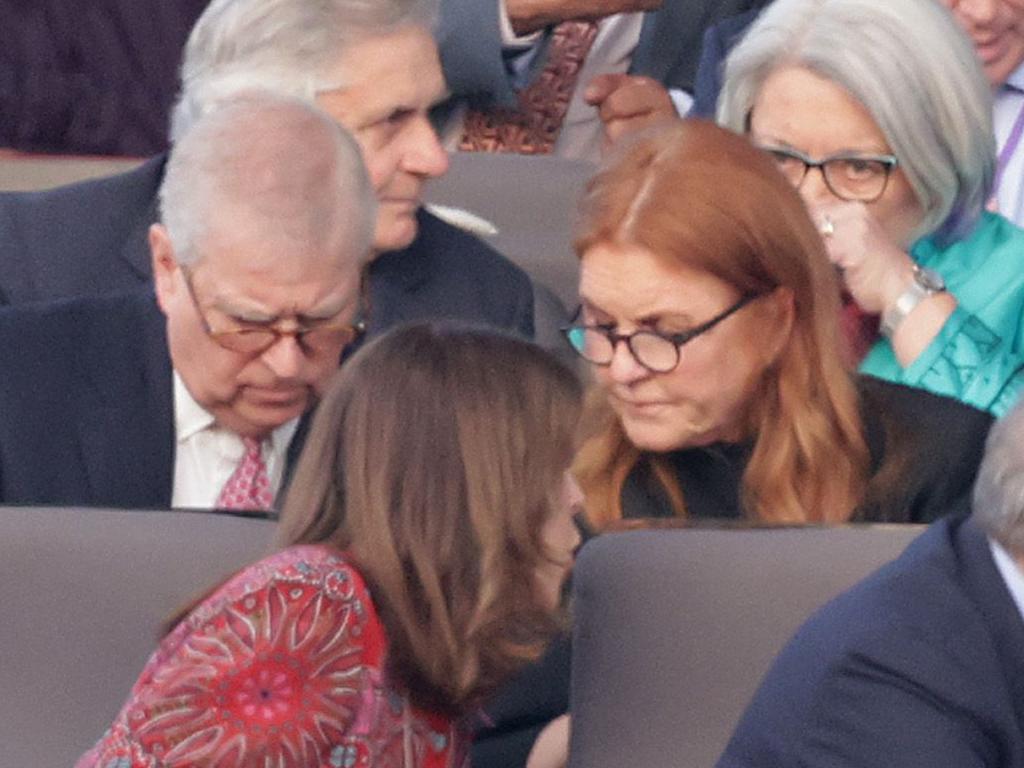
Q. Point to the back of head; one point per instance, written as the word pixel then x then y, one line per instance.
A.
pixel 702 197
pixel 998 503
pixel 914 70
pixel 433 461
pixel 284 46
pixel 269 168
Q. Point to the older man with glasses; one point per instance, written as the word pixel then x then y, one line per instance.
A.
pixel 372 66
pixel 195 399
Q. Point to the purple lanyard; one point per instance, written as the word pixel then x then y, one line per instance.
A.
pixel 1012 141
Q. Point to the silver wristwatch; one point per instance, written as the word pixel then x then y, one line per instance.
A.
pixel 926 283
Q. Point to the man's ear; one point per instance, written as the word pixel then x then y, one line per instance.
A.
pixel 165 264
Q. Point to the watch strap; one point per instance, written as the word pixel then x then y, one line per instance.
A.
pixel 921 287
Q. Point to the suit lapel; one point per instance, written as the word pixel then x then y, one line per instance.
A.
pixel 396 278
pixel 292 457
pixel 984 583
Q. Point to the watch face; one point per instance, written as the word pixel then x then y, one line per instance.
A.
pixel 929 279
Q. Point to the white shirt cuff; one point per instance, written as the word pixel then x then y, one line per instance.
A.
pixel 509 39
pixel 681 99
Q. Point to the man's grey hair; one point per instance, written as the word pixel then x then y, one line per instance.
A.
pixel 999 490
pixel 288 47
pixel 270 169
pixel 914 70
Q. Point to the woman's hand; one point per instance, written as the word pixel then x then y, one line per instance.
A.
pixel 551 749
pixel 876 272
pixel 874 269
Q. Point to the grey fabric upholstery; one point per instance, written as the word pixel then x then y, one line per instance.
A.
pixel 675 628
pixel 531 201
pixel 82 593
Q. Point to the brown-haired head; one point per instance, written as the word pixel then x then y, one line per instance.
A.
pixel 434 460
pixel 703 198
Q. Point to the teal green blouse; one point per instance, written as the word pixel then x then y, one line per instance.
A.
pixel 978 355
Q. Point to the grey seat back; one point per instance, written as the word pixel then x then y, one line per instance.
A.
pixel 82 593
pixel 531 201
pixel 674 629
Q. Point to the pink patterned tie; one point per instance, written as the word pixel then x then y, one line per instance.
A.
pixel 533 128
pixel 248 488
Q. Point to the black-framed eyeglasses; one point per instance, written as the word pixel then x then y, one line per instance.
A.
pixel 657 352
pixel 849 176
pixel 312 336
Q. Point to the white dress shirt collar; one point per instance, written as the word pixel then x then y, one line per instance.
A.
pixel 1016 79
pixel 1011 572
pixel 190 417
pixel 206 455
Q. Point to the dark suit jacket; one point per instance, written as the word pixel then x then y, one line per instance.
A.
pixel 919 666
pixel 86 404
pixel 89 239
pixel 718 41
pixel 668 50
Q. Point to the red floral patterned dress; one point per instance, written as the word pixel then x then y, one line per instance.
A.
pixel 281 668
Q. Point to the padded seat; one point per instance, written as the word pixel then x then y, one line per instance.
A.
pixel 674 629
pixel 82 594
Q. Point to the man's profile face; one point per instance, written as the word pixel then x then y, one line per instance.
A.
pixel 242 282
pixel 391 81
pixel 996 28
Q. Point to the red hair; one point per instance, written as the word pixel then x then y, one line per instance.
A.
pixel 698 195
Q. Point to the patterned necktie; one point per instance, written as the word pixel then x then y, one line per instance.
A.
pixel 248 488
pixel 531 129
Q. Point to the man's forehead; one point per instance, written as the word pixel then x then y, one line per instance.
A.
pixel 266 260
pixel 310 288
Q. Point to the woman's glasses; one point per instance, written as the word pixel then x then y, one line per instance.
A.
pixel 854 177
pixel 657 352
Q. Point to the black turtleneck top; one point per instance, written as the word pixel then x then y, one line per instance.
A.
pixel 936 441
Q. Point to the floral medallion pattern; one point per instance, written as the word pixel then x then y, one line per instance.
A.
pixel 279 668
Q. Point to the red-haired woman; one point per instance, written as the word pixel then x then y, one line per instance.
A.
pixel 709 312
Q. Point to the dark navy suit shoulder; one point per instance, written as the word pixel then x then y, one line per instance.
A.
pixel 448 273
pixel 81 239
pixel 919 665
pixel 86 403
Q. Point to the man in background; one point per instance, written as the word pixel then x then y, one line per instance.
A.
pixel 374 68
